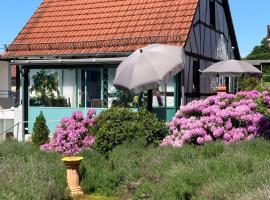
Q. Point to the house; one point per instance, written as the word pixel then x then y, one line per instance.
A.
pixel 7 99
pixel 83 41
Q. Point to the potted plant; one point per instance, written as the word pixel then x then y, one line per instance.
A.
pixel 73 135
pixel 46 90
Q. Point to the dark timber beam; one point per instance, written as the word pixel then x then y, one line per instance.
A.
pixel 194 55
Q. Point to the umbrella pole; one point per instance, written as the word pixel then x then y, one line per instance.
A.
pixel 149 100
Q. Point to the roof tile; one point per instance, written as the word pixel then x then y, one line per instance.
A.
pixel 90 20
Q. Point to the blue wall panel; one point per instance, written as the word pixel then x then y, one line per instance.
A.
pixel 53 115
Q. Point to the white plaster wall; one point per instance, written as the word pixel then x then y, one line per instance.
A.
pixel 6 122
pixel 18 118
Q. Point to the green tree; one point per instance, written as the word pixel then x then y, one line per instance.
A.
pixel 261 52
pixel 45 84
pixel 41 131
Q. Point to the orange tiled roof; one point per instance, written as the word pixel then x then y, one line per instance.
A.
pixel 63 26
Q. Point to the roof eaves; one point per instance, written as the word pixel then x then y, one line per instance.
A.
pixel 63 56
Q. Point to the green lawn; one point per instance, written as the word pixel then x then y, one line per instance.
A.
pixel 214 172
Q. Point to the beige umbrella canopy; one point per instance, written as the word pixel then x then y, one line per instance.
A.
pixel 147 67
pixel 231 68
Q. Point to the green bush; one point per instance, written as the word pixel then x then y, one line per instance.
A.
pixel 250 83
pixel 41 131
pixel 150 126
pixel 119 125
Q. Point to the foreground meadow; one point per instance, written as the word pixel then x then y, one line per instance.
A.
pixel 134 171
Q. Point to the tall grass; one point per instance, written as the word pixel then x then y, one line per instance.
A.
pixel 26 173
pixel 212 172
pixel 133 171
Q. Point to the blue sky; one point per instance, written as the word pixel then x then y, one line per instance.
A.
pixel 14 14
pixel 250 20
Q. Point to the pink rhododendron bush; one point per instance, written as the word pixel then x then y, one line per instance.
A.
pixel 228 117
pixel 72 135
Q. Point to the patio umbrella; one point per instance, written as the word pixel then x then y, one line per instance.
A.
pixel 231 68
pixel 147 67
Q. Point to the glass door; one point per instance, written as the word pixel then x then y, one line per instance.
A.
pixel 91 88
pixel 163 101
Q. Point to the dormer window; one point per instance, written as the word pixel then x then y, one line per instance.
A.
pixel 212 13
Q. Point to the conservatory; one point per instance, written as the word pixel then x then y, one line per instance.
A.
pixel 59 89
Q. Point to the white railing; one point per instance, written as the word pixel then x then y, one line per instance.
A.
pixel 3 135
pixel 18 130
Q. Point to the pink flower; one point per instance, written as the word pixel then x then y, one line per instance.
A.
pixel 219 120
pixel 218 132
pixel 208 138
pixel 227 136
pixel 250 137
pixel 228 125
pixel 177 143
pixel 91 113
pixel 226 116
pixel 200 140
pixel 72 134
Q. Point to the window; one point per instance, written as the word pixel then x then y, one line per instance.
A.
pixel 91 88
pixel 212 13
pixel 196 77
pixel 163 96
pixel 47 89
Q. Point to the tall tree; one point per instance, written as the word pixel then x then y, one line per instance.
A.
pixel 261 52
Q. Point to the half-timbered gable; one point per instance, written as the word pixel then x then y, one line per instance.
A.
pixel 211 39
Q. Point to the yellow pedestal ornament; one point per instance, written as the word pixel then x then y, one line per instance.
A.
pixel 72 164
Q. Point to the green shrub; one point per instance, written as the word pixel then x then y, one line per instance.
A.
pixel 119 125
pixel 150 126
pixel 262 107
pixel 41 131
pixel 125 99
pixel 250 83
